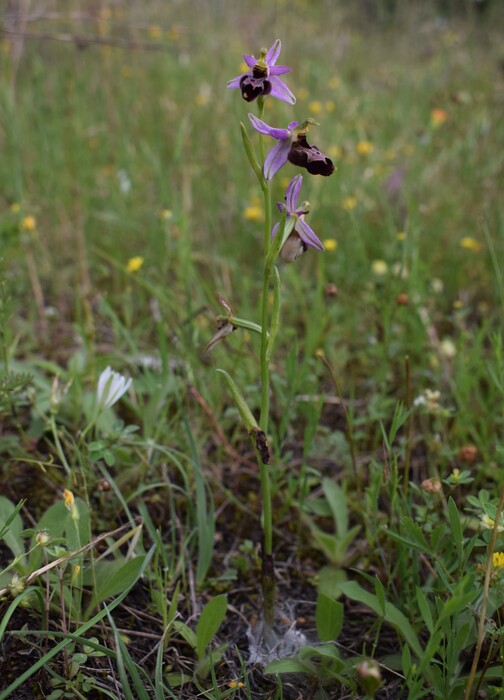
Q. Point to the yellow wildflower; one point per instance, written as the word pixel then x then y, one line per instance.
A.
pixel 155 32
pixel 379 267
pixel 29 223
pixel 315 107
pixel 349 203
pixel 134 264
pixel 253 213
pixel 330 244
pixel 174 34
pixel 458 304
pixel 334 82
pixel 498 560
pixel 75 574
pixel 166 214
pixel 235 684
pixel 401 235
pixel 438 117
pixel 201 100
pixel 364 148
pixel 204 95
pixel 15 207
pixel 470 244
pixel 68 499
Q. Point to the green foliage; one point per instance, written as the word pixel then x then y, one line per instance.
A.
pixel 209 622
pixel 111 152
pixel 329 618
pixel 11 526
pixel 335 544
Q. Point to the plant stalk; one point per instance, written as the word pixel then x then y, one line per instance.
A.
pixel 268 575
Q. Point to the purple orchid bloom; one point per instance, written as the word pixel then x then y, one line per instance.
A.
pixel 292 146
pixel 263 78
pixel 299 235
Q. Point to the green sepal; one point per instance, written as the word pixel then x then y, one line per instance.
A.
pixel 249 150
pixel 247 417
pixel 247 325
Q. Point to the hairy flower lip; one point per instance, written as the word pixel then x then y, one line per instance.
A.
pixel 262 78
pixel 292 146
pixel 310 157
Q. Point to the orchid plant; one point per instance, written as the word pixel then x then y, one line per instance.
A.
pixel 289 238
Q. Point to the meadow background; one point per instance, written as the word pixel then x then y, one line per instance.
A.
pixel 126 205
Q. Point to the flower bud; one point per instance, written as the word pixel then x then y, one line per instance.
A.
pixel 331 290
pixel 17 585
pixel 468 453
pixel 42 538
pixel 369 676
pixel 431 485
pixel 70 504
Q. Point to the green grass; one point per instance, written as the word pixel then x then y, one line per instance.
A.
pixel 118 151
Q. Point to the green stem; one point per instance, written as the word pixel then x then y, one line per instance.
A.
pixel 57 443
pixel 265 187
pixel 264 418
pixel 268 577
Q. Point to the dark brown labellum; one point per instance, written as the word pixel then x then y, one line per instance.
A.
pixel 309 157
pixel 252 88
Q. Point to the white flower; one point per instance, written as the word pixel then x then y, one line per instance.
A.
pixel 429 400
pixel 111 386
pixel 448 349
pixel 488 523
pixel 124 181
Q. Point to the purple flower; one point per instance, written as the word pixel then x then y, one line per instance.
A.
pixel 299 234
pixel 263 78
pixel 292 146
